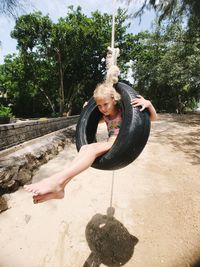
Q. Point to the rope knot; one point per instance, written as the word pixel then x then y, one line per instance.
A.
pixel 111 57
pixel 111 65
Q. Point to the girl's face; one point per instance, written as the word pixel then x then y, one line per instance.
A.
pixel 106 105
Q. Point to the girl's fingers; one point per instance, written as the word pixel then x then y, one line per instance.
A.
pixel 140 101
pixel 143 108
pixel 137 101
pixel 136 104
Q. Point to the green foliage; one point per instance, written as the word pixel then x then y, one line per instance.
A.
pixel 60 64
pixel 5 111
pixel 166 67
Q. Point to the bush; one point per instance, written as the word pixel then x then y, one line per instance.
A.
pixel 5 111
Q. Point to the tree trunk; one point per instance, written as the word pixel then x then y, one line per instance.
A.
pixel 49 100
pixel 61 87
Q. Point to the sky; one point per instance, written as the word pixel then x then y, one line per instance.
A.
pixel 58 8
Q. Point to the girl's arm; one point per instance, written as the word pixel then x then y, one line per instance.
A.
pixel 144 103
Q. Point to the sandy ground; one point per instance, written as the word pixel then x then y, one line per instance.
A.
pixel 156 201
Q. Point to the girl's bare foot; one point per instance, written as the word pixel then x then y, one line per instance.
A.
pixel 49 185
pixel 48 196
pixel 52 184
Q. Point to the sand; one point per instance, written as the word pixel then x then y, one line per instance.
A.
pixel 156 202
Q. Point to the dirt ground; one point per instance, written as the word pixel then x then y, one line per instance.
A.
pixel 156 202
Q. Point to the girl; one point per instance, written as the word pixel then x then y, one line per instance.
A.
pixel 107 100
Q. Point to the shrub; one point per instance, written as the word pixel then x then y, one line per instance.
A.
pixel 5 111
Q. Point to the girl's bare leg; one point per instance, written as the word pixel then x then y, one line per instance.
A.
pixel 53 187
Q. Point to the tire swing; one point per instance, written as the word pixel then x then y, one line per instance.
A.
pixel 132 137
pixel 134 130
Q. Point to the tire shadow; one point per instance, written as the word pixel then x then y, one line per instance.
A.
pixel 109 241
pixel 196 263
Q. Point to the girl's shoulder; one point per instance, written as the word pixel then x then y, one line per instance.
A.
pixel 119 108
pixel 119 115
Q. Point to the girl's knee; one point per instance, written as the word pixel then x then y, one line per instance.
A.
pixel 90 148
pixel 96 149
pixel 85 147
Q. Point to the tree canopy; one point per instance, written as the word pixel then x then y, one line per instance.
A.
pixel 59 64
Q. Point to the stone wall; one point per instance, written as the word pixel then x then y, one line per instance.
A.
pixel 19 163
pixel 16 133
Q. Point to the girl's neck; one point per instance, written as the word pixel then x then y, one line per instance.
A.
pixel 114 115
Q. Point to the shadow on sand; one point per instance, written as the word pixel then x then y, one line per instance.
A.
pixel 109 241
pixel 196 263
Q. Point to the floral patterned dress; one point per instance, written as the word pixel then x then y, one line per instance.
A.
pixel 113 125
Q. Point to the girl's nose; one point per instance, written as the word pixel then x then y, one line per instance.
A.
pixel 103 109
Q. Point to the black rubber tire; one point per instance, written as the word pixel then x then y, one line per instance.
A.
pixel 132 137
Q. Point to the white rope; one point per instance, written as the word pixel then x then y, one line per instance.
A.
pixel 113 25
pixel 112 187
pixel 112 74
pixel 112 53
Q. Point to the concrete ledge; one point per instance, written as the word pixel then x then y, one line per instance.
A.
pixel 19 163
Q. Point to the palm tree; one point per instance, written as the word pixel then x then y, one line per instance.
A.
pixel 166 7
pixel 11 7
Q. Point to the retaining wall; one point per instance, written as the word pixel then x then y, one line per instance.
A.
pixel 16 133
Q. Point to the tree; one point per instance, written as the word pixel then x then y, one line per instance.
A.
pixel 166 67
pixel 190 8
pixel 62 62
pixel 11 7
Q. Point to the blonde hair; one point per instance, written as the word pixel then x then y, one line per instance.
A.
pixel 106 88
